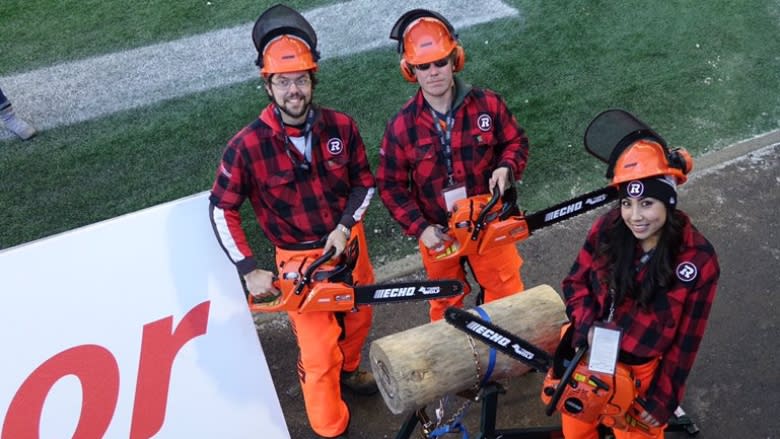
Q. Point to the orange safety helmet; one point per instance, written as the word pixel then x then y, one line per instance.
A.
pixel 287 53
pixel 647 158
pixel 285 41
pixel 425 36
pixel 632 150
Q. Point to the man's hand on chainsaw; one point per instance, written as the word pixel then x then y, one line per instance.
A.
pixel 338 240
pixel 260 284
pixel 434 238
pixel 501 177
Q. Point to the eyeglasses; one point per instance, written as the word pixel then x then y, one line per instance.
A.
pixel 440 63
pixel 285 83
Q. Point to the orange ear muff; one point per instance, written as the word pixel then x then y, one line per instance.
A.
pixel 407 72
pixel 459 59
pixel 681 159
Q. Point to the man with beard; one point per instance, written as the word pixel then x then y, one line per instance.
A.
pixel 305 172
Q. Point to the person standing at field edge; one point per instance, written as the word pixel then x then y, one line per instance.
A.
pixel 448 142
pixel 305 172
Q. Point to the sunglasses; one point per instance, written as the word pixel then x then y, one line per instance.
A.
pixel 440 63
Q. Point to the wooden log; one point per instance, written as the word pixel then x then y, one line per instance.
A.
pixel 420 365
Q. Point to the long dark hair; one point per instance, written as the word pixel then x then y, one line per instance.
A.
pixel 618 248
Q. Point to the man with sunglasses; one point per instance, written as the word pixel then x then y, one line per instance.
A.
pixel 448 142
pixel 305 172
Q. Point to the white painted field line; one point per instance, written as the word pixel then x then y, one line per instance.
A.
pixel 81 90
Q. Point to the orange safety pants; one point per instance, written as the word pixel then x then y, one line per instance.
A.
pixel 497 272
pixel 330 343
pixel 575 429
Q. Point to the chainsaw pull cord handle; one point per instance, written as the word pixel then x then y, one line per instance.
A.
pixel 565 380
pixel 307 275
pixel 481 222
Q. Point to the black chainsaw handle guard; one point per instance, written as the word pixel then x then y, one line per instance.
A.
pixel 309 273
pixel 481 221
pixel 564 381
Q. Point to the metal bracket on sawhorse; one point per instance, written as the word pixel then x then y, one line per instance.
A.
pixel 680 422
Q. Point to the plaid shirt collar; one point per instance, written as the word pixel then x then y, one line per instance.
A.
pixel 268 117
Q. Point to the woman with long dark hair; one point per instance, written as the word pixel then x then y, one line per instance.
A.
pixel 648 274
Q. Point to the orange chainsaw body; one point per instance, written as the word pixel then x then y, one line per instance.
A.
pixel 324 296
pixel 314 296
pixel 503 232
pixel 470 237
pixel 599 397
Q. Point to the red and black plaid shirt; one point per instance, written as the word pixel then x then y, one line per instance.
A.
pixel 292 205
pixel 412 171
pixel 673 325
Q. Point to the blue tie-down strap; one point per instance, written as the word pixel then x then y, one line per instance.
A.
pixel 491 353
pixel 456 426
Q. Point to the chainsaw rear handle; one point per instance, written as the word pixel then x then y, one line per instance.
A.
pixel 291 302
pixel 309 273
pixel 481 222
pixel 565 378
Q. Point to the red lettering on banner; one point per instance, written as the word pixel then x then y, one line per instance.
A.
pixel 98 372
pixel 159 347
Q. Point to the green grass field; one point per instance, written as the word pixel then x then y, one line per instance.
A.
pixel 703 74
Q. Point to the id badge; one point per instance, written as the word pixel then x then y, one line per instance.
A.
pixel 604 349
pixel 454 193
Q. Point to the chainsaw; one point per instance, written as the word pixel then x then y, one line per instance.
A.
pixel 569 385
pixel 481 222
pixel 319 284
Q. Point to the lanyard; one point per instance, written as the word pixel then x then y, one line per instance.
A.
pixel 305 164
pixel 445 137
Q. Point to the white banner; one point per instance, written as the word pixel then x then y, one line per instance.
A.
pixel 135 327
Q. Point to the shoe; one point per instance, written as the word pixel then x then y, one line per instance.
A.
pixel 19 127
pixel 360 382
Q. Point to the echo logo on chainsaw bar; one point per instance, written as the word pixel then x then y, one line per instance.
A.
pixel 487 334
pixel 563 211
pixel 389 293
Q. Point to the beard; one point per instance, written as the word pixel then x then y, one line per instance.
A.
pixel 294 105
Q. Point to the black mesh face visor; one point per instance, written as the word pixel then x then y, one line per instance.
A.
pixel 282 20
pixel 611 132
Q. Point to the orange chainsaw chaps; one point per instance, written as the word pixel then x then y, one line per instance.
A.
pixel 507 231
